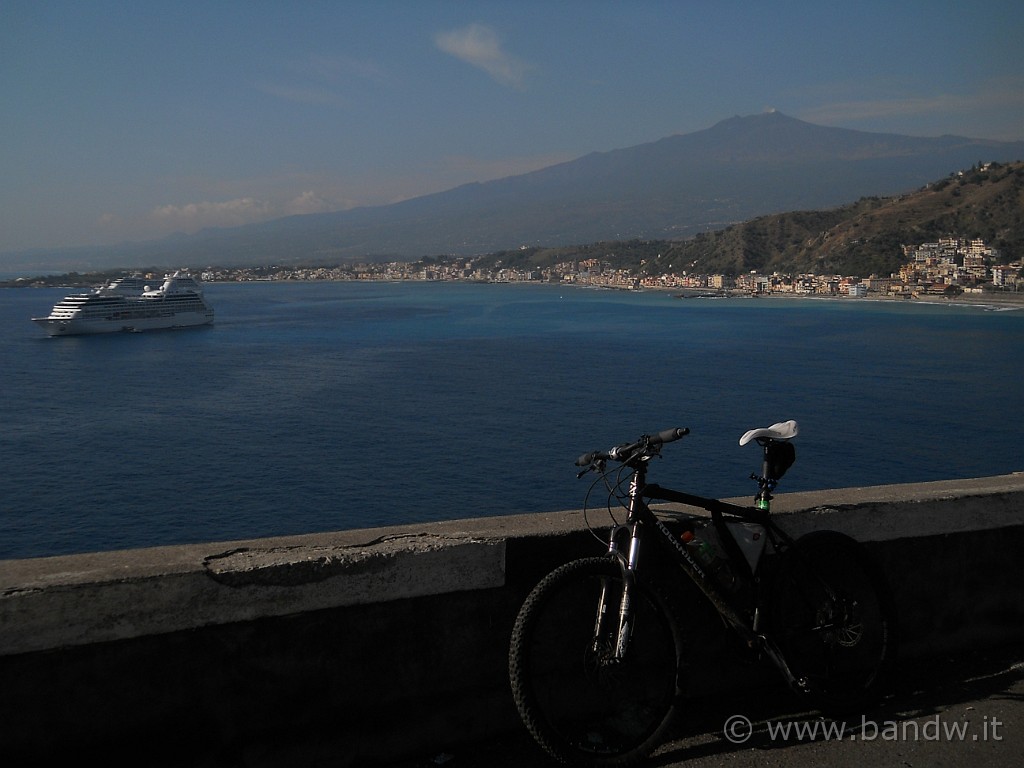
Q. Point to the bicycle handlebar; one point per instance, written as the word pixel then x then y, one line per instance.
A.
pixel 625 451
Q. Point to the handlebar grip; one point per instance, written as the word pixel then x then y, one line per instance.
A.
pixel 586 459
pixel 670 435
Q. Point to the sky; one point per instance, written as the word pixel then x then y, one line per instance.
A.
pixel 128 121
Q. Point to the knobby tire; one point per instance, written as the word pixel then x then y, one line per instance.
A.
pixel 580 706
pixel 831 615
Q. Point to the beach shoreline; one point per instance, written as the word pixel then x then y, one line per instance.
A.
pixel 1004 301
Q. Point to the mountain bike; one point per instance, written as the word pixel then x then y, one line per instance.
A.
pixel 598 659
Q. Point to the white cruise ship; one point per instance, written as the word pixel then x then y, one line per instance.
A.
pixel 128 305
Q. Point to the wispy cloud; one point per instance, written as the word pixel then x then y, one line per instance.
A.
pixel 873 109
pixel 998 96
pixel 190 217
pixel 478 45
pixel 308 202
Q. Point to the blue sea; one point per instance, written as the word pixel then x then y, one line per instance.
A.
pixel 326 406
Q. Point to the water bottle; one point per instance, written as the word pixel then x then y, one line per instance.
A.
pixel 700 548
pixel 708 552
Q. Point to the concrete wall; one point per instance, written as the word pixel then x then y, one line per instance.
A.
pixel 377 644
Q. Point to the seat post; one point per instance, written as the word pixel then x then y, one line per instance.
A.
pixel 766 483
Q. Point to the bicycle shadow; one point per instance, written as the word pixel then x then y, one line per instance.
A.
pixel 918 689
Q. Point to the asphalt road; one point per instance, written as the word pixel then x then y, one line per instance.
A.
pixel 962 711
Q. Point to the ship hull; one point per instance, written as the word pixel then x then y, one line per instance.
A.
pixel 77 326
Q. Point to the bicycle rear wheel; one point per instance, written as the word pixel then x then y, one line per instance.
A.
pixel 582 706
pixel 832 618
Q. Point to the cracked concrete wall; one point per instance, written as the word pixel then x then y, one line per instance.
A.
pixel 59 602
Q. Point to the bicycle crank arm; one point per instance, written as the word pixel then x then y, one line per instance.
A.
pixel 798 684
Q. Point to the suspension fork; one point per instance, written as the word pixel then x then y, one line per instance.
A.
pixel 628 563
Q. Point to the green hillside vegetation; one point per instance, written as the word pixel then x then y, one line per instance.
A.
pixel 860 239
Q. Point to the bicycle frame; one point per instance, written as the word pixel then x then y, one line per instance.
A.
pixel 641 518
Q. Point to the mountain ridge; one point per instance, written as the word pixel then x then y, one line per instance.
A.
pixel 671 188
pixel 857 239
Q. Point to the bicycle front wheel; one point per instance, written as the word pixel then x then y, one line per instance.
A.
pixel 831 615
pixel 582 705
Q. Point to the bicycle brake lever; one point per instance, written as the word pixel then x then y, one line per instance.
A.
pixel 595 466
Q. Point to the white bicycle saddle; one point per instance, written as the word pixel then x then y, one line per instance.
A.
pixel 784 430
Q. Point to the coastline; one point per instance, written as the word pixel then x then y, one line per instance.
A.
pixel 997 301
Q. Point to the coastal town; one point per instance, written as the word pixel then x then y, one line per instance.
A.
pixel 950 267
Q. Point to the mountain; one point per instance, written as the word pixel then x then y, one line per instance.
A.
pixel 674 188
pixel 865 237
pixel 860 238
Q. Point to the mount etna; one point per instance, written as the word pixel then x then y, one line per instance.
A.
pixel 672 189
